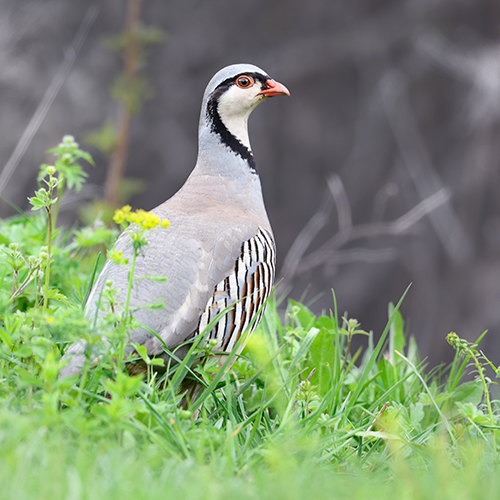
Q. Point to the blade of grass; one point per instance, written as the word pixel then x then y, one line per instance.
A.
pixel 371 362
pixel 445 421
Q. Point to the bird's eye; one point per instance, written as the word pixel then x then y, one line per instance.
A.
pixel 244 82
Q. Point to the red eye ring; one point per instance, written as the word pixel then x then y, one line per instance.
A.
pixel 244 82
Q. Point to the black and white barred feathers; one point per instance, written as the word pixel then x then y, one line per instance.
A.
pixel 244 291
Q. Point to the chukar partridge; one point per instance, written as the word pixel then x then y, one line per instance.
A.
pixel 219 249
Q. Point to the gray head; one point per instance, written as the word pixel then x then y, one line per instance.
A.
pixel 230 73
pixel 229 98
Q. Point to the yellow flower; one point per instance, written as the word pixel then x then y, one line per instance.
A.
pixel 144 219
pixel 121 214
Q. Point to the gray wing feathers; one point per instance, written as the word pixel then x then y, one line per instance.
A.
pixel 192 270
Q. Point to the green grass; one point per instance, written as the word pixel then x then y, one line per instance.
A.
pixel 297 416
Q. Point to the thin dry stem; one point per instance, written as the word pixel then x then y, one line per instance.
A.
pixel 118 162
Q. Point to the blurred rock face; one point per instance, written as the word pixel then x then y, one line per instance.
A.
pixel 381 170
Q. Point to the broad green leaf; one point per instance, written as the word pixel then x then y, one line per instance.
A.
pixel 23 351
pixel 322 357
pixel 124 386
pixel 326 322
pixel 416 414
pixel 55 294
pixel 469 392
pixel 6 338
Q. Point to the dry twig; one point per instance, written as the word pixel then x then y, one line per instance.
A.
pixel 43 108
pixel 118 162
pixel 296 262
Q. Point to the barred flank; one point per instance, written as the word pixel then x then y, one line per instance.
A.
pixel 246 289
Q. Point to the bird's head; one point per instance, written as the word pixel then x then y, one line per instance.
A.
pixel 231 96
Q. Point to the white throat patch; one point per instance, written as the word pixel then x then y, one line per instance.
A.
pixel 234 108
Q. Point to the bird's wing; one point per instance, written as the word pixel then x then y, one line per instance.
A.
pixel 179 268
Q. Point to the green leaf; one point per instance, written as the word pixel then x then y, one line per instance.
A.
pixel 37 203
pixel 23 351
pixel 104 139
pixel 4 241
pixel 397 339
pixel 27 378
pixel 6 338
pixel 85 156
pixel 50 368
pixel 470 411
pixel 124 386
pixel 469 392
pixel 305 345
pixel 302 315
pixel 157 362
pixel 75 177
pixel 88 236
pixel 326 322
pixel 322 357
pixel 416 414
pixel 143 353
pixel 55 294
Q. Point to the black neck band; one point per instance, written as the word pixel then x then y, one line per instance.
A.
pixel 217 126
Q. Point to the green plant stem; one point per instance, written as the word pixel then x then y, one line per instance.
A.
pixel 14 285
pixel 49 255
pixel 21 287
pixel 37 296
pixel 348 348
pixel 479 368
pixel 60 189
pixel 121 350
pixel 130 281
pixel 30 398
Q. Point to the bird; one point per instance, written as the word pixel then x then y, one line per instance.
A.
pixel 218 252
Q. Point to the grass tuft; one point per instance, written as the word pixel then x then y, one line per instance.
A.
pixel 297 415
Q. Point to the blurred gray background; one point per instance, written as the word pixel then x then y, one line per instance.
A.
pixel 381 170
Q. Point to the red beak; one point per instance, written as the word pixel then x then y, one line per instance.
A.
pixel 274 88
